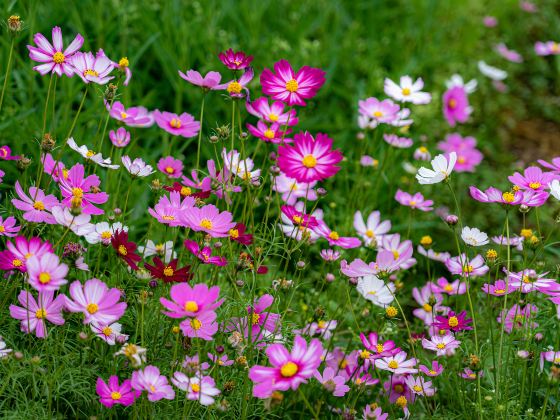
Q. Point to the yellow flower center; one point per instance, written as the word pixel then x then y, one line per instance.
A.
pixel 297 219
pixel 377 114
pixel 28 255
pixel 398 388
pixel 292 85
pixel 152 388
pixel 417 388
pixel 196 324
pixel 195 387
pixel 206 224
pixel 44 278
pixel 269 134
pixel 380 348
pixel 92 308
pixel 116 395
pixel 426 240
pixel 499 291
pixel 309 161
pixel 123 250
pixel 406 91
pixel 255 318
pixel 412 203
pixel 334 236
pixel 234 87
pixel 168 271
pixel 40 313
pixel 106 235
pixel 124 115
pixel 2 229
pixel 448 288
pixel 58 57
pixel 123 62
pixel 391 311
pixel 396 255
pixel 169 170
pixel 77 192
pixel 191 306
pixel 186 191
pixel 472 375
pixel 321 324
pixel 440 346
pixel 168 217
pixel 535 185
pixel 432 372
pixel 364 354
pixel 90 72
pixel 452 103
pixel 423 149
pixel 401 401
pixel 427 307
pixel 107 331
pixel 38 205
pixel 234 233
pixel 17 262
pixel 467 268
pixel 273 117
pixel 526 233
pixel 289 369
pixel 453 322
pixel 130 350
pixel 393 364
pixel 508 197
pixel 175 123
pixel 370 234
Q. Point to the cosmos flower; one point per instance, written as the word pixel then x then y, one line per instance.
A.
pixel 134 353
pixel 237 88
pixel 334 238
pixel 37 206
pixel 491 72
pixel 46 273
pixel 208 82
pixel 453 322
pixel 235 60
pixel 401 252
pixel 125 249
pixel 204 254
pixel 56 59
pixel 90 154
pixel 407 90
pixel 433 255
pixel 441 169
pixel 528 280
pixel 179 125
pixel 422 153
pixel 471 375
pixel 22 249
pixel 171 167
pixel 474 237
pixel 120 137
pixel 4 351
pixel 272 113
pixel 270 133
pixel 191 301
pixel 202 326
pixel 90 68
pixel 6 153
pixel 289 369
pixel 547 48
pixel 8 226
pixel 80 224
pixel 168 210
pixel 550 356
pixel 109 332
pixel 430 301
pixel 137 167
pixel 456 108
pixel 420 386
pixel 415 201
pixel 103 232
pixel 443 345
pixel 112 393
pixel 533 179
pixel 518 317
pixel 398 142
pixel 468 156
pixel 168 272
pixel 208 219
pixel 163 250
pixel 555 189
pixel 34 314
pixel 373 230
pixel 499 288
pixel 238 234
pixel 290 87
pixel 397 364
pixel 490 21
pixel 96 301
pixel 375 290
pixel 198 388
pixel 242 168
pixel 332 381
pixel 442 285
pixel 377 111
pixel 137 116
pixel 150 380
pixel 435 370
pixel 79 188
pixel 508 54
pixel 463 266
pixel 377 347
pixel 292 190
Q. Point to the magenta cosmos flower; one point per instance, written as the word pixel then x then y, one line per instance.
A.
pixel 309 159
pixel 269 133
pixel 272 113
pixel 456 107
pixel 24 249
pixel 208 219
pixel 190 301
pixel 332 381
pixel 235 60
pixel 289 370
pixel 533 178
pixel 33 314
pixel 46 273
pixel 55 58
pixel 237 88
pixel 179 125
pixel 8 226
pixel 78 186
pixel 547 48
pixel 512 198
pixel 93 68
pixel 150 380
pixel 112 393
pixel 454 322
pixel 119 138
pixel 171 167
pixel 136 116
pixel 333 237
pixel 37 206
pixel 202 326
pixel 468 156
pixel 204 254
pixel 6 153
pixel 96 301
pixel 385 111
pixel 208 82
pixel 554 166
pixel 289 87
pixel 415 201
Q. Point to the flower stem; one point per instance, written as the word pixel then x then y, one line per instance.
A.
pixel 6 77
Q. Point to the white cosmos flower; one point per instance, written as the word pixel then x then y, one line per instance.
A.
pixel 164 251
pixel 103 232
pixel 555 189
pixel 137 167
pixel 441 169
pixel 374 289
pixel 407 91
pixel 79 224
pixel 90 154
pixel 243 168
pixel 474 237
pixel 457 80
pixel 493 73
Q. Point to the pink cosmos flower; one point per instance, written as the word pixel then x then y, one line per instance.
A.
pixel 398 142
pixel 137 116
pixel 379 112
pixel 289 369
pixel 9 262
pixel 92 68
pixel 299 218
pixel 23 249
pixel 397 364
pixel 490 21
pixel 443 345
pixel 332 381
pixel 6 153
pixel 258 321
pixel 456 107
pixel 420 386
pixel 334 238
pixel 461 265
pixel 550 356
pixel 237 88
pixel 499 288
pixel 272 113
pixel 309 159
pixel 292 190
pixel 431 303
pixel 193 366
pixel 96 301
pixel 518 317
pixel 198 388
pixel 168 210
pixel 235 60
pixel 443 286
pixel 375 413
pixel 533 179
pixel 46 273
pixel 330 254
pixel 468 157
pixel 204 254
pixel 55 169
pixel 415 201
pixel 110 333
pixel 433 255
pixel 202 326
pixel 55 58
pixel 179 125
pixel 471 375
pixel 435 370
pixel 112 393
pixel 554 166
pixel 289 87
pixel 374 229
pixel 150 380
pixel 221 360
pixel 33 314
pixel 171 167
pixel 323 329
pixel 453 322
pixel 402 251
pixel 528 281
pixel 269 133
pixel 300 232
pixel 78 186
pixel 547 48
pixel 8 226
pixel 190 301
pixel 37 206
pixel 377 347
pixel 208 219
pixel 120 138
pixel 208 82
pixel 508 54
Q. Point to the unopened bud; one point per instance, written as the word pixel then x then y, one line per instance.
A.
pixel 14 24
pixel 214 139
pixel 23 163
pixel 300 265
pixel 451 220
pixel 321 192
pixel 156 185
pixel 48 143
pixel 329 277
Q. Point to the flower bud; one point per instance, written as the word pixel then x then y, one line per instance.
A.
pixel 451 220
pixel 18 355
pixel 153 283
pixel 110 92
pixel 23 163
pixel 321 192
pixel 214 139
pixel 14 24
pixel 523 208
pixel 48 143
pixel 300 265
pixel 329 277
pixel 275 170
pixel 156 185
pixel 83 336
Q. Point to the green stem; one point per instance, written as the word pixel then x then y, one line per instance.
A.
pixel 6 77
pixel 200 133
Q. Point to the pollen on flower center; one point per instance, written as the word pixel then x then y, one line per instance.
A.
pixel 453 321
pixel 334 236
pixel 370 234
pixel 77 192
pixel 92 308
pixel 297 219
pixel 535 185
pixel 393 364
pixel 499 291
pixel 234 87
pixel 417 388
pixel 175 123
pixel 401 401
pixel 40 313
pixel 106 235
pixel 255 318
pixel 273 117
pixel 123 62
pixel 186 191
pixel 432 372
pixel 321 324
pixel 90 72
pixel 152 388
pixel 123 250
pixel 364 354
pixel 406 91
pixel 396 255
pixel 168 271
pixel 116 395
pixel 452 103
pixel 289 369
pixel 440 346
pixel 124 115
pixel 309 161
pixel 195 387
pixel 191 306
pixel 467 268
pixel 448 288
pixel 107 331
pixel 508 197
pixel 17 262
pixel 379 348
pixel 2 229
pixel 196 324
pixel 58 57
pixel 44 278
pixel 427 307
pixel 168 217
pixel 377 114
pixel 169 170
pixel 38 205
pixel 130 350
pixel 234 233
pixel 461 159
pixel 206 224
pixel 269 134
pixel 292 85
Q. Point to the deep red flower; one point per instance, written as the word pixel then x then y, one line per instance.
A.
pixel 238 234
pixel 125 249
pixel 169 273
